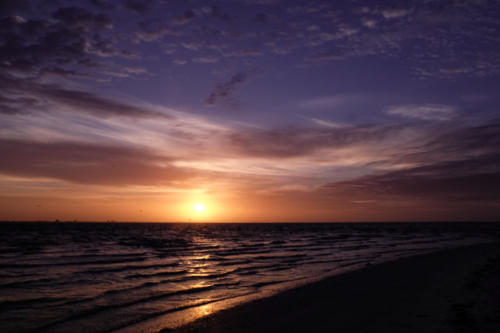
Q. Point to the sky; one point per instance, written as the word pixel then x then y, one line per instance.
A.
pixel 260 110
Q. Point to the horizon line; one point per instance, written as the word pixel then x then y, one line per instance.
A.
pixel 245 222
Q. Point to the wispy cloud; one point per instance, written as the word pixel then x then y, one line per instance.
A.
pixel 395 13
pixel 180 62
pixel 152 35
pixel 206 60
pixel 424 112
pixel 327 123
pixel 332 102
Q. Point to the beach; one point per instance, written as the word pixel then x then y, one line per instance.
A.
pixel 455 290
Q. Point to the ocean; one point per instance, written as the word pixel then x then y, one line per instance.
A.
pixel 143 277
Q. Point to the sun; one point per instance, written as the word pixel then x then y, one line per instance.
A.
pixel 199 207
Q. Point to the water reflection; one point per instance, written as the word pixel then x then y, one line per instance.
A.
pixel 204 310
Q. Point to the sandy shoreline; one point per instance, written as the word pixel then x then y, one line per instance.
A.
pixel 450 291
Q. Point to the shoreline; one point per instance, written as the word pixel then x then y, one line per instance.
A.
pixel 445 291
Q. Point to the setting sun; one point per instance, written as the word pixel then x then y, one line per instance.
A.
pixel 199 207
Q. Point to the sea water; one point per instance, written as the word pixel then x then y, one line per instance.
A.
pixel 137 277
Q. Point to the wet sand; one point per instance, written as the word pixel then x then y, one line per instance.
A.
pixel 450 291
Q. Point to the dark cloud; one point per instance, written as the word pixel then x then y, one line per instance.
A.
pixel 217 13
pixel 263 2
pixel 461 165
pixel 261 18
pixel 139 6
pixel 29 45
pixel 69 41
pixel 65 45
pixel 27 96
pixel 265 18
pixel 449 181
pixel 89 163
pixel 82 18
pixel 103 4
pixel 223 91
pixel 479 139
pixel 9 7
pixel 466 143
pixel 185 18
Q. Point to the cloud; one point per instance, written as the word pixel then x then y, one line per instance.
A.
pixel 9 7
pixel 295 142
pixel 103 4
pixel 361 43
pixel 89 163
pixel 94 104
pixel 395 13
pixel 152 35
pixel 369 22
pixel 27 96
pixel 263 2
pixel 139 6
pixel 82 18
pixel 266 18
pixel 333 101
pixel 462 143
pixel 330 55
pixel 420 34
pixel 308 9
pixel 14 105
pixel 424 112
pixel 458 165
pixel 217 13
pixel 243 53
pixel 327 123
pixel 206 60
pixel 223 91
pixel 192 46
pixel 327 32
pixel 447 181
pixel 187 17
pixel 481 68
pixel 64 43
